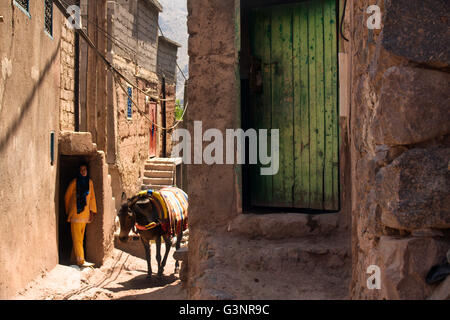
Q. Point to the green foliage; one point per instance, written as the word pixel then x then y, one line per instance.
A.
pixel 178 111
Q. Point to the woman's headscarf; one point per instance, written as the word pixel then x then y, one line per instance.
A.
pixel 82 191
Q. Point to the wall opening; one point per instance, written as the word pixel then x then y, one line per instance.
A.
pixel 69 166
pixel 289 81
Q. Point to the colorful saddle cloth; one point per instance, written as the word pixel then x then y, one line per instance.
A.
pixel 172 206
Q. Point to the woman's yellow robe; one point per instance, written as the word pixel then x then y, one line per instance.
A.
pixel 71 203
pixel 78 221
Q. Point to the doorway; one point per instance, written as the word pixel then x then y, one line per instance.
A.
pixel 289 81
pixel 69 166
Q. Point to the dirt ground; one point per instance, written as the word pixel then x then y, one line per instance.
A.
pixel 122 277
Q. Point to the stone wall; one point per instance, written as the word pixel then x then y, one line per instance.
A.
pixel 167 60
pixel 134 53
pixel 400 146
pixel 67 109
pixel 135 25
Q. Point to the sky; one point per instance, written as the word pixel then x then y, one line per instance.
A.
pixel 173 22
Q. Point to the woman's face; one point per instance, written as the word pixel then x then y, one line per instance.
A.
pixel 83 171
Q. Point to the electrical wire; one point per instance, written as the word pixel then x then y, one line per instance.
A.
pixel 342 21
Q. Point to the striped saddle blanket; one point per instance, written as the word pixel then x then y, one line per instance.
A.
pixel 172 206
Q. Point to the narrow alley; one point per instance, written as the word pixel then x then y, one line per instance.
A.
pixel 122 277
pixel 284 150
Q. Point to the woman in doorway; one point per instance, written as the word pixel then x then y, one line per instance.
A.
pixel 80 209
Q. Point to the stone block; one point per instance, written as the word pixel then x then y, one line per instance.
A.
pixel 270 226
pixel 181 254
pixel 418 30
pixel 442 292
pixel 326 223
pixel 405 263
pixel 414 190
pixel 413 106
pixel 76 143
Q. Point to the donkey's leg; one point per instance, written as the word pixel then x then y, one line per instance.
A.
pixel 158 256
pixel 177 246
pixel 166 254
pixel 147 257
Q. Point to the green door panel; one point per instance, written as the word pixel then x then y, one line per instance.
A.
pixel 295 49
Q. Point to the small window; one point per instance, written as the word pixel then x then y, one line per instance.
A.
pixel 130 103
pixel 48 11
pixel 24 5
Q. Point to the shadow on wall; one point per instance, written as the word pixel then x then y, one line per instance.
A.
pixel 25 107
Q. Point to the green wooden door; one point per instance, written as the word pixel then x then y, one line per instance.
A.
pixel 294 89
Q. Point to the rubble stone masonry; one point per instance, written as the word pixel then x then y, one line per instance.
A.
pixel 400 146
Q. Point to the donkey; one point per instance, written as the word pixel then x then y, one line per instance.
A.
pixel 141 211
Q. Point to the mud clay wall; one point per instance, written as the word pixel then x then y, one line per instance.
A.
pixel 29 110
pixel 67 109
pixel 134 24
pixel 400 123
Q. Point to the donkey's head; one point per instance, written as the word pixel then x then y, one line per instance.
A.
pixel 127 218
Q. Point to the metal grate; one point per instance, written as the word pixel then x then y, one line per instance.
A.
pixel 24 4
pixel 48 10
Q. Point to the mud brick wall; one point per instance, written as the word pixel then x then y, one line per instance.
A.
pixel 167 60
pixel 135 25
pixel 133 134
pixel 67 107
pixel 400 128
pixel 147 35
pixel 134 53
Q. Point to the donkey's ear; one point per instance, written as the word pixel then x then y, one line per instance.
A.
pixel 124 197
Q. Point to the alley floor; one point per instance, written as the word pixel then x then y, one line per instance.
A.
pixel 122 277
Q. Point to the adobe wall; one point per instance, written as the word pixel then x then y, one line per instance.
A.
pixel 29 111
pixel 132 134
pixel 134 25
pixel 400 146
pixel 67 109
pixel 167 60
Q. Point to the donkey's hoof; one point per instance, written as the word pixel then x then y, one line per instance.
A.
pixel 148 277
